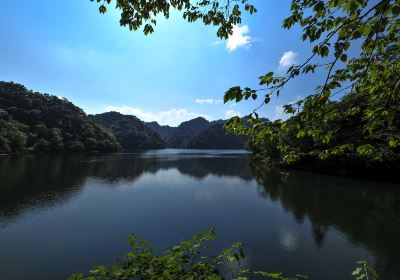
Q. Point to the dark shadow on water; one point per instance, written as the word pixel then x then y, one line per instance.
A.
pixel 367 212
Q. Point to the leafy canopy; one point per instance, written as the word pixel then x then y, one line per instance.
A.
pixel 136 14
pixel 368 82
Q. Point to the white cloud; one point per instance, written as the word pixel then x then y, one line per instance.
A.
pixel 209 101
pixel 239 39
pixel 279 113
pixel 287 60
pixel 232 113
pixel 279 110
pixel 171 117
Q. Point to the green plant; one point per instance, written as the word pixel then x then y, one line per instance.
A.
pixel 189 260
pixel 355 44
pixel 364 270
pixel 183 261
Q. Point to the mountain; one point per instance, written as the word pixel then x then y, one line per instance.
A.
pixel 130 132
pixel 164 131
pixel 35 122
pixel 199 133
pixel 215 137
pixel 185 131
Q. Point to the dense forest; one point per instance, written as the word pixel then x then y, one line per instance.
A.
pixel 34 122
pixel 130 132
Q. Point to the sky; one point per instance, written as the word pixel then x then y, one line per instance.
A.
pixel 66 48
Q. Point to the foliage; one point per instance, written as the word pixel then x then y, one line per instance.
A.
pixel 183 261
pixel 343 141
pixel 189 260
pixel 368 83
pixel 34 122
pixel 130 132
pixel 222 13
pixel 357 44
pixel 364 270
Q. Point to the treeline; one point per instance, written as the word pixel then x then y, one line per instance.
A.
pixel 34 122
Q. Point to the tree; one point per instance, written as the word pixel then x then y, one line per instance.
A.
pixel 368 81
pixel 222 13
pixel 356 41
pixel 32 122
pixel 337 28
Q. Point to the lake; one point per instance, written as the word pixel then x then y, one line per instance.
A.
pixel 60 215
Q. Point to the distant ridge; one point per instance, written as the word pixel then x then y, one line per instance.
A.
pixel 130 132
pixel 199 133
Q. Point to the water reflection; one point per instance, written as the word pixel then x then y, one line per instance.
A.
pixel 30 183
pixel 289 220
pixel 367 212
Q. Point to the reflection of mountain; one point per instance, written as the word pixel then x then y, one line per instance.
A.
pixel 29 183
pixel 202 167
pixel 367 213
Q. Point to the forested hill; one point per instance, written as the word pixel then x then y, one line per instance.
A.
pixel 185 131
pixel 34 122
pixel 199 133
pixel 216 137
pixel 163 130
pixel 130 132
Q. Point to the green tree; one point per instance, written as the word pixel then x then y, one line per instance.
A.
pixel 32 122
pixel 355 41
pixel 368 81
pixel 143 14
pixel 56 139
pixel 12 135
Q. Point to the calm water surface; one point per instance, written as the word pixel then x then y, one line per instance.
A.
pixel 60 215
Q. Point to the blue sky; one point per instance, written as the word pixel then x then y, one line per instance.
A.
pixel 66 48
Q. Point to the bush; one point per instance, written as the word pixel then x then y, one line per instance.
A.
pixel 188 260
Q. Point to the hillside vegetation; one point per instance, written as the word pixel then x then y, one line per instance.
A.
pixel 130 132
pixel 34 122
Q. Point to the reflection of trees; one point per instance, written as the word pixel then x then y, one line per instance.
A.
pixel 28 182
pixel 37 182
pixel 220 166
pixel 367 212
